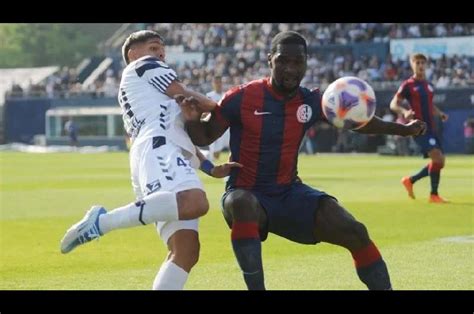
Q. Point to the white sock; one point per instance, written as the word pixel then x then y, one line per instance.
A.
pixel 159 206
pixel 170 277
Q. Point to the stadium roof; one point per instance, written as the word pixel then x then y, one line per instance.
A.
pixel 23 77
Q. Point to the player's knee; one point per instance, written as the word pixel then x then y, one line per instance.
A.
pixel 184 248
pixel 438 162
pixel 437 158
pixel 360 235
pixel 241 205
pixel 191 256
pixel 192 204
pixel 185 255
pixel 436 165
pixel 442 162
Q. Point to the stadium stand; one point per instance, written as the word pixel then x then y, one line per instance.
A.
pixel 238 51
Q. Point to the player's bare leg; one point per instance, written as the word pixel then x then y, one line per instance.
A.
pixel 335 225
pixel 183 254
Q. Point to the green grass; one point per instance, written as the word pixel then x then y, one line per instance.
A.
pixel 41 195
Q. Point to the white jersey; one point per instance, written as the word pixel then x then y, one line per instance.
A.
pixel 223 141
pixel 147 110
pixel 215 96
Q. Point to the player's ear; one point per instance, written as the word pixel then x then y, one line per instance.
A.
pixel 133 53
pixel 269 59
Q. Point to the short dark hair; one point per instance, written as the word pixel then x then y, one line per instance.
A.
pixel 137 37
pixel 288 37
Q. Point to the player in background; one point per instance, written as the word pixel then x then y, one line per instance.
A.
pixel 72 131
pixel 162 161
pixel 222 142
pixel 267 119
pixel 419 94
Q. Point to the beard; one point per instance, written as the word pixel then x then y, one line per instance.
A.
pixel 287 85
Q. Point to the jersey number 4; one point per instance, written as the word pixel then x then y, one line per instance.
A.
pixel 181 162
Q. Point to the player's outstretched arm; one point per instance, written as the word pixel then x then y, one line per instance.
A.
pixel 219 171
pixel 379 126
pixel 202 133
pixel 204 103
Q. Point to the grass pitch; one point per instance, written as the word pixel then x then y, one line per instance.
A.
pixel 426 246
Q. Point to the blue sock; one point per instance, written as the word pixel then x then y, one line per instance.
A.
pixel 248 251
pixel 371 268
pixel 434 176
pixel 375 276
pixel 435 173
pixel 421 174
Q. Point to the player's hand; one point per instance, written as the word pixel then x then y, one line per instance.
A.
pixel 444 117
pixel 189 107
pixel 205 117
pixel 416 127
pixel 409 114
pixel 223 170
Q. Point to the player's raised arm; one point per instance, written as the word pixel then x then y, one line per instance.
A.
pixel 219 171
pixel 203 103
pixel 202 133
pixel 379 126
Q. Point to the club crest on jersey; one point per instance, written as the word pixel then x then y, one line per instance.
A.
pixel 304 113
pixel 153 187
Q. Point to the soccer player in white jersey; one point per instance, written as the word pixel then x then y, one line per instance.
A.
pixel 162 161
pixel 222 142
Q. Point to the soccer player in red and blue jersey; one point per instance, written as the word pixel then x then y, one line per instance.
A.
pixel 419 94
pixel 267 120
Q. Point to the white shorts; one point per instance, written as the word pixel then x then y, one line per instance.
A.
pixel 163 168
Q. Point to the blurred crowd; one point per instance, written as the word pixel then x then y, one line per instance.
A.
pixel 251 36
pixel 238 53
pixel 243 67
pixel 249 44
pixel 64 84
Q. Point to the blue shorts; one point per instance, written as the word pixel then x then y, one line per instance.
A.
pixel 427 142
pixel 291 214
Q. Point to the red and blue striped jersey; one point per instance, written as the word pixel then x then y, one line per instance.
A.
pixel 266 132
pixel 419 94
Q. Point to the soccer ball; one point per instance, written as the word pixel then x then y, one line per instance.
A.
pixel 349 103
